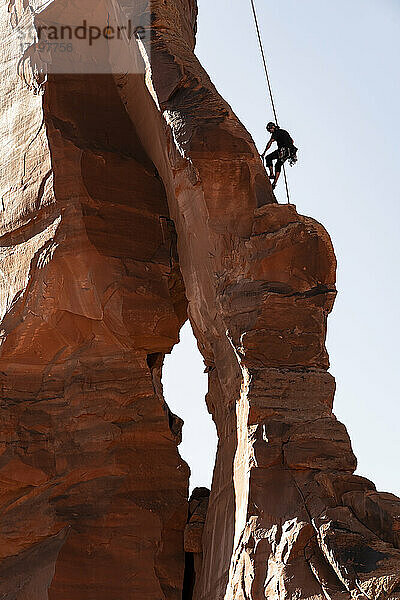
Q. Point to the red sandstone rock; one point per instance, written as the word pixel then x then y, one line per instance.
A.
pixel 106 180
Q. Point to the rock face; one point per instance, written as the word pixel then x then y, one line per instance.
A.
pixel 106 180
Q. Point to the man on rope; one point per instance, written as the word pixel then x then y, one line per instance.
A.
pixel 286 150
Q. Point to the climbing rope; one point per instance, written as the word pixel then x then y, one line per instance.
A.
pixel 271 95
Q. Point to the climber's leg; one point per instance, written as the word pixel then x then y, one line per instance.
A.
pixel 268 162
pixel 278 168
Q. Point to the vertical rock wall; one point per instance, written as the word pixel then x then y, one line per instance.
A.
pixel 93 492
pixel 101 175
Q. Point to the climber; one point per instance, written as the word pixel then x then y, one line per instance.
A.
pixel 286 150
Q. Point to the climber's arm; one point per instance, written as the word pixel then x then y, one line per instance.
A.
pixel 268 146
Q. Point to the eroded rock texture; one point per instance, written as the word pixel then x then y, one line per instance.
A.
pixel 105 181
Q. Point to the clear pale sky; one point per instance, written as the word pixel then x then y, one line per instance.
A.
pixel 335 73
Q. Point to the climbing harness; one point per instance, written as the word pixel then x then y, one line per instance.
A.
pixel 288 154
pixel 292 160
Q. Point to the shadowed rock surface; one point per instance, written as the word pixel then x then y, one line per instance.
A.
pixel 106 180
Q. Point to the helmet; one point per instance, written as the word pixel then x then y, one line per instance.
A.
pixel 271 124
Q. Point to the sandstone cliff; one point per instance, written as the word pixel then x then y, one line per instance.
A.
pixel 106 181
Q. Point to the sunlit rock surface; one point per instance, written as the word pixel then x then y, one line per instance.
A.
pixel 107 180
